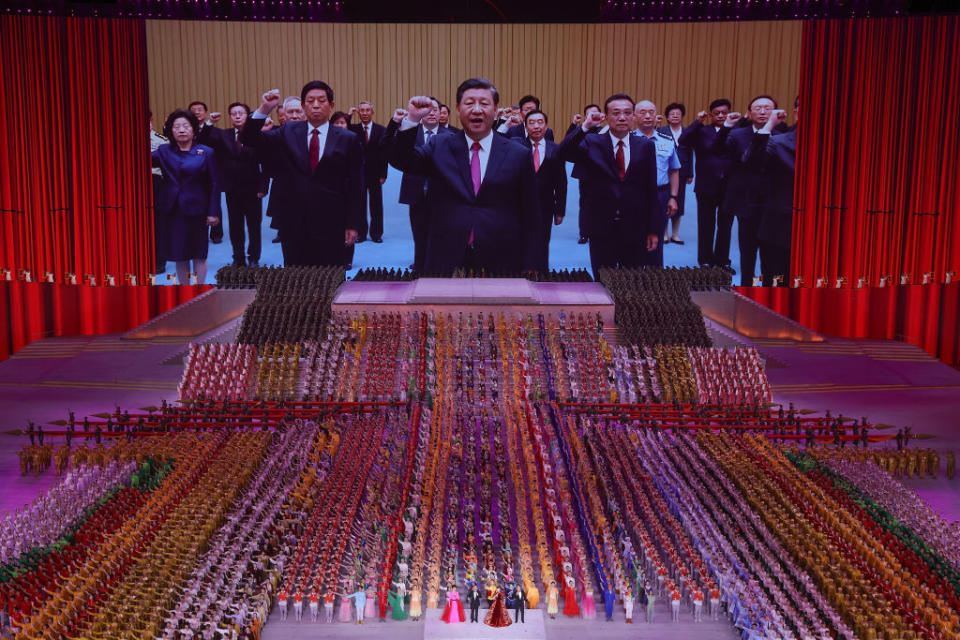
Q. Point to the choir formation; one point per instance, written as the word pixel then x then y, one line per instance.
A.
pixel 383 465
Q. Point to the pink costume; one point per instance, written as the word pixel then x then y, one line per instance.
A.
pixel 453 612
pixel 587 608
pixel 345 615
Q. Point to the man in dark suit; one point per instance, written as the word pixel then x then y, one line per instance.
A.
pixel 414 186
pixel 775 156
pixel 292 112
pixel 318 177
pixel 625 220
pixel 243 182
pixel 711 165
pixel 199 109
pixel 374 166
pixel 745 194
pixel 551 177
pixel 513 129
pixel 674 128
pixel 482 188
pixel 577 172
pixel 519 603
pixel 473 601
pixel 444 119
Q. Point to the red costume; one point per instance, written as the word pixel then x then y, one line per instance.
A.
pixel 497 615
pixel 570 606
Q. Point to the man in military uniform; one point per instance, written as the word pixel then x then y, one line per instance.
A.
pixel 668 169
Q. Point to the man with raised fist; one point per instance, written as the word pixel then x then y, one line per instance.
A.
pixel 625 223
pixel 775 156
pixel 746 191
pixel 413 186
pixel 318 173
pixel 374 166
pixel 551 176
pixel 713 223
pixel 527 104
pixel 577 172
pixel 482 193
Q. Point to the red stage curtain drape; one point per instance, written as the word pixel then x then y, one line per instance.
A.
pixel 925 315
pixel 877 168
pixel 41 310
pixel 74 154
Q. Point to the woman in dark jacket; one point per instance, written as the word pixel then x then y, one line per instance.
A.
pixel 189 197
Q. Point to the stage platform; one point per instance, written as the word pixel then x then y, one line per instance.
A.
pixel 475 295
pixel 538 626
pixel 200 315
pixel 748 318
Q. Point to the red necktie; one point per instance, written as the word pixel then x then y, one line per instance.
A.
pixel 366 136
pixel 315 149
pixel 536 157
pixel 475 174
pixel 475 167
pixel 621 166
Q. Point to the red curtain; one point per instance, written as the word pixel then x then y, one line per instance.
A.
pixel 74 162
pixel 925 315
pixel 877 191
pixel 41 310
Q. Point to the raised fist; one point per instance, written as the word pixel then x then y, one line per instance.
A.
pixel 419 107
pixel 215 117
pixel 778 116
pixel 399 115
pixel 514 119
pixel 577 118
pixel 593 119
pixel 352 111
pixel 269 101
pixel 267 125
pixel 733 118
pixel 659 119
pixel 704 117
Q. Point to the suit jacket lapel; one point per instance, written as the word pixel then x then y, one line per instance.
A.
pixel 498 148
pixel 296 135
pixel 334 135
pixel 462 160
pixel 605 148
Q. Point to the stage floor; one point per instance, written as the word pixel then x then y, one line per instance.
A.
pixel 889 382
pixel 538 627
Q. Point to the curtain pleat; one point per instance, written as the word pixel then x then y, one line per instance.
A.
pixel 37 310
pixel 877 167
pixel 74 156
pixel 925 315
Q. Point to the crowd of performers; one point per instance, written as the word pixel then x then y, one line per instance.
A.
pixel 502 478
pixel 382 467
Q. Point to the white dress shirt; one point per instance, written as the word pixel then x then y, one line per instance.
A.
pixel 542 145
pixel 485 145
pixel 322 137
pixel 484 154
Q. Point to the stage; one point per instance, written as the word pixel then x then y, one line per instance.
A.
pixel 887 382
pixel 538 626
